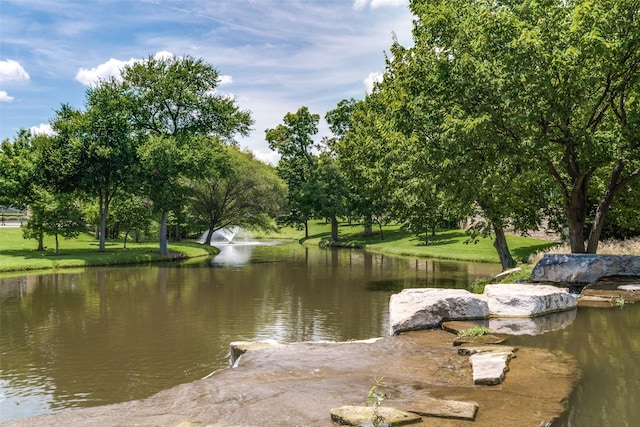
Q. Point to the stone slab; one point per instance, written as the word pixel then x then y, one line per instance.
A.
pixel 630 287
pixel 490 368
pixel 425 308
pixel 584 268
pixel 441 408
pixel 525 300
pixel 357 415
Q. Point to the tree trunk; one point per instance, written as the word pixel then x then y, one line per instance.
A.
pixel 576 216
pixel 57 244
pixel 334 229
pixel 40 242
pixel 306 229
pixel 500 243
pixel 164 247
pixel 125 239
pixel 368 226
pixel 104 211
pixel 614 186
pixel 207 240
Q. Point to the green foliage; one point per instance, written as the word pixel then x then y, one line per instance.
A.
pixel 476 331
pixel 293 141
pixel 54 215
pixel 244 193
pixel 180 118
pixel 522 94
pixel 374 398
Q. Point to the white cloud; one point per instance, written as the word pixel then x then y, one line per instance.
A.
pixel 42 129
pixel 374 4
pixel 372 79
pixel 4 96
pixel 163 54
pixel 11 70
pixel 225 80
pixel 111 68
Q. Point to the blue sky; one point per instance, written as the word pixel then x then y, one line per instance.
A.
pixel 274 55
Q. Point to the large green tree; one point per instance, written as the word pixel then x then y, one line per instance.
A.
pixel 101 148
pixel 293 140
pixel 547 85
pixel 174 102
pixel 244 192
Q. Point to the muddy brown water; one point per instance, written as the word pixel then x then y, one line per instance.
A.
pixel 108 335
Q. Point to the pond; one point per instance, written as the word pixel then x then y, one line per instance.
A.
pixel 108 335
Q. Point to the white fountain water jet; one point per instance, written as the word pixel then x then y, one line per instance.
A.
pixel 227 235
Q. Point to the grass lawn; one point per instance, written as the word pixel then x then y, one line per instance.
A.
pixel 449 244
pixel 18 254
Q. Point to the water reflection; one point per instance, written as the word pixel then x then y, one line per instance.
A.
pixel 605 343
pixel 236 254
pixel 113 334
pixel 532 325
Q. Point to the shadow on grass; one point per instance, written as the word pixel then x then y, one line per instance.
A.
pixel 523 253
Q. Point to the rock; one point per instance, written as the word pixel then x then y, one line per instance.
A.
pixel 296 385
pixel 441 408
pixel 415 309
pixel 238 348
pixel 608 298
pixel 356 415
pixel 532 325
pixel 470 350
pixel 490 364
pixel 584 268
pixel 482 339
pixel 632 288
pixel 522 300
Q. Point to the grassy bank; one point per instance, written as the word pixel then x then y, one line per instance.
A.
pixel 449 244
pixel 18 254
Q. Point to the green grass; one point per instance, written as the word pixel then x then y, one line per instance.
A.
pixel 18 254
pixel 449 244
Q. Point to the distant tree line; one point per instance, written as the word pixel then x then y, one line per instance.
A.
pixel 154 145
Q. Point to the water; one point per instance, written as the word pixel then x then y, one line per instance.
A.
pixel 108 335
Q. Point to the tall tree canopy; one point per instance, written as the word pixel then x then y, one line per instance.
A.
pixel 173 102
pixel 293 140
pixel 550 87
pixel 94 151
pixel 243 193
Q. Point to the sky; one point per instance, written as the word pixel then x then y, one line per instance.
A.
pixel 273 56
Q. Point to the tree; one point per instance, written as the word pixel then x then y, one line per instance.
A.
pixel 102 148
pixel 370 154
pixel 243 193
pixel 174 100
pixel 55 214
pixel 329 191
pixel 130 213
pixel 553 84
pixel 293 140
pixel 16 169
